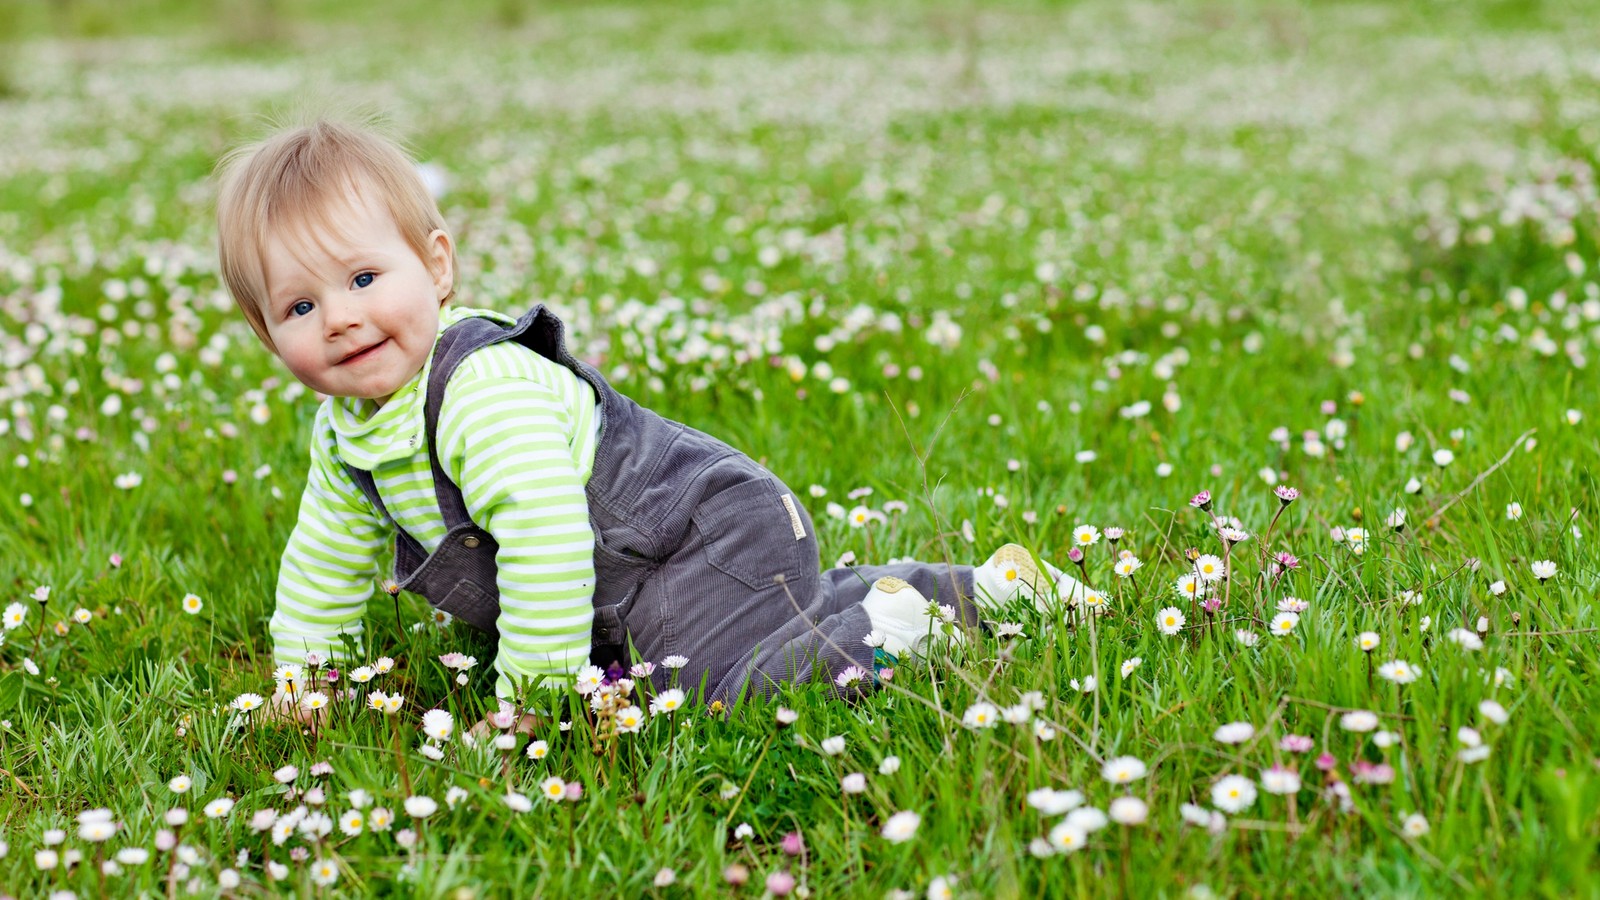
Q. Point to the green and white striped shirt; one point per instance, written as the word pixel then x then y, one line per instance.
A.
pixel 517 434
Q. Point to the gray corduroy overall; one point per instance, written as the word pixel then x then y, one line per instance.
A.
pixel 691 537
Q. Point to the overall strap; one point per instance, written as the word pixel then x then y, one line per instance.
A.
pixel 369 488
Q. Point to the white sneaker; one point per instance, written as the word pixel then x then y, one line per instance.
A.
pixel 1012 573
pixel 902 615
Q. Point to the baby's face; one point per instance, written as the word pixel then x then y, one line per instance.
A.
pixel 354 312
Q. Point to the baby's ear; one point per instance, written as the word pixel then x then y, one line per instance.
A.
pixel 440 258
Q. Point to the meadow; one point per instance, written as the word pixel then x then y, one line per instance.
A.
pixel 1295 306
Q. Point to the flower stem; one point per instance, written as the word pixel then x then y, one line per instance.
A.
pixel 748 778
pixel 400 756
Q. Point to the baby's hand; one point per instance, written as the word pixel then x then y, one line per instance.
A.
pixel 497 722
pixel 285 707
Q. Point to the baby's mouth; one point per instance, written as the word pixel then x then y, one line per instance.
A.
pixel 362 354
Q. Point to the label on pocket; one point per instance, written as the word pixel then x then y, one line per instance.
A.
pixel 794 518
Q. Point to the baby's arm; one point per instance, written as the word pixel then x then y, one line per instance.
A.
pixel 504 441
pixel 329 564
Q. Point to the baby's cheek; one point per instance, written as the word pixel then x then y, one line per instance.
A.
pixel 301 367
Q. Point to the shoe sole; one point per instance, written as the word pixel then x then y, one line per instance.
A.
pixel 1016 558
pixel 889 584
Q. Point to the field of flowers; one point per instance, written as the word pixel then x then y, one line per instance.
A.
pixel 1276 323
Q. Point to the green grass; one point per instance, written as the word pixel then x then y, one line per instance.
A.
pixel 1240 211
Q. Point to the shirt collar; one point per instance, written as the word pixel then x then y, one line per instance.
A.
pixel 368 436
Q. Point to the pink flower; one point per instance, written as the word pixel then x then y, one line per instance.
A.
pixel 793 843
pixel 1286 494
pixel 1113 534
pixel 642 670
pixel 1326 762
pixel 332 675
pixel 1075 555
pixel 780 883
pixel 1372 773
pixel 1201 500
pixel 1288 560
pixel 504 717
pixel 574 792
pixel 116 560
pixel 1211 604
pixel 1295 743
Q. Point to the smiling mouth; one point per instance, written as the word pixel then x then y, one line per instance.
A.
pixel 362 354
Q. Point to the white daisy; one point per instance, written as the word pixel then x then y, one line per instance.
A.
pixel 1123 769
pixel 1170 619
pixel 1233 794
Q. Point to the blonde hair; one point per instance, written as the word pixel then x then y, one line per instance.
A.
pixel 299 179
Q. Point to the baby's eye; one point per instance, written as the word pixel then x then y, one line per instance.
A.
pixel 301 308
pixel 364 279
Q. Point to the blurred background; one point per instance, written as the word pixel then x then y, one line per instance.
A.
pixel 775 218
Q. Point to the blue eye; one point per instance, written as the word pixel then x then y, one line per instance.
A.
pixel 301 308
pixel 364 279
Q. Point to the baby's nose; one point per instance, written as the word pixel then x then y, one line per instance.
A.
pixel 338 316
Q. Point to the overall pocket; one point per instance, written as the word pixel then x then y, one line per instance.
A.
pixel 619 571
pixel 473 605
pixel 753 535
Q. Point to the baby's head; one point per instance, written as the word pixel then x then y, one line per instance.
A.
pixel 337 255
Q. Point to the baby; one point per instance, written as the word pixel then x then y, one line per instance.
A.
pixel 526 496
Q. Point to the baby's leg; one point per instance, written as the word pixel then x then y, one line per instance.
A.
pixel 836 640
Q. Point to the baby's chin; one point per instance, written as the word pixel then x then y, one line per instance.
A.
pixel 376 398
pixel 379 399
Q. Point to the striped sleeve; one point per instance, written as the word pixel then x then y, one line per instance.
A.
pixel 505 442
pixel 328 567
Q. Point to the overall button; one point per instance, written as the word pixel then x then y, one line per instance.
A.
pixel 470 542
